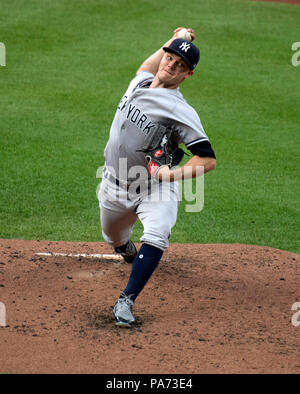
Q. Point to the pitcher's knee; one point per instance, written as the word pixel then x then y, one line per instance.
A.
pixel 158 239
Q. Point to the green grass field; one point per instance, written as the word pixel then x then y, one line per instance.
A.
pixel 68 62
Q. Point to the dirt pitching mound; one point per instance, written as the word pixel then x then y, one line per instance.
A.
pixel 206 309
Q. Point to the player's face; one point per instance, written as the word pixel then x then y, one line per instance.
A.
pixel 173 70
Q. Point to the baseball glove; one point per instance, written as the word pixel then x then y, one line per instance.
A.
pixel 161 148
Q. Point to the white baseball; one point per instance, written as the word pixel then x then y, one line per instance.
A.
pixel 183 33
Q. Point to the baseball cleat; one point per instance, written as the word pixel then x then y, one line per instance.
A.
pixel 122 311
pixel 128 252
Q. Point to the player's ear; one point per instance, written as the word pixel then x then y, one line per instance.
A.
pixel 189 74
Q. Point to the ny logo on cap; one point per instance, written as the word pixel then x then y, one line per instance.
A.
pixel 185 46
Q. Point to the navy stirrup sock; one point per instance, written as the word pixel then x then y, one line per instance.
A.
pixel 143 267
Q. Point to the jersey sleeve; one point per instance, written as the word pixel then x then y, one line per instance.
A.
pixel 143 78
pixel 191 131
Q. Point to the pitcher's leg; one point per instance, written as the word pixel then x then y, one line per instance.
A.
pixel 158 218
pixel 116 225
pixel 143 267
pixel 117 215
pixel 158 214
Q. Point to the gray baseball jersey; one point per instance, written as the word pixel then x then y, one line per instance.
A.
pixel 139 110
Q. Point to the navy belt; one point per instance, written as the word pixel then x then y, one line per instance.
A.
pixel 125 185
pixel 132 185
pixel 122 185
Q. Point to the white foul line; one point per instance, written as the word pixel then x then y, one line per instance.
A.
pixel 93 256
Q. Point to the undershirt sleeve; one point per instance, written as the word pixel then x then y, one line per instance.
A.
pixel 202 149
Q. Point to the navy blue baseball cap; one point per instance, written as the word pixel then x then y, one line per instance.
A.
pixel 186 50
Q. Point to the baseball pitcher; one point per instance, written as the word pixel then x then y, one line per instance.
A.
pixel 141 173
